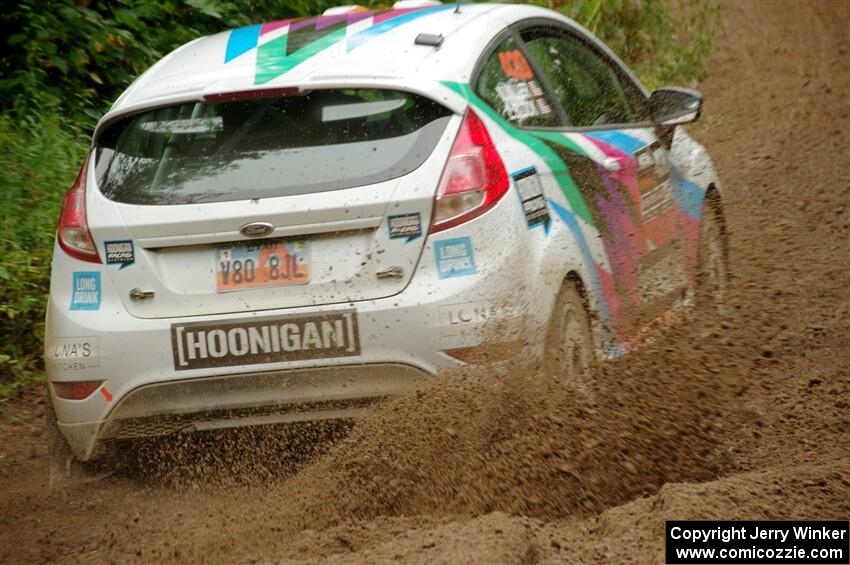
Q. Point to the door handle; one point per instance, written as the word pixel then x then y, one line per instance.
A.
pixel 390 273
pixel 137 294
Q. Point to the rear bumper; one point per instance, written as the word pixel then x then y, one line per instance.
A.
pixel 505 297
pixel 251 399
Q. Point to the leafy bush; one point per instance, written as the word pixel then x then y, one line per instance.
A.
pixel 77 56
pixel 65 61
pixel 37 157
pixel 663 41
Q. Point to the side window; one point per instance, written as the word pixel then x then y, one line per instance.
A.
pixel 508 84
pixel 587 85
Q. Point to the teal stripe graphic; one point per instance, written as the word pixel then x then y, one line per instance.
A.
pixel 535 142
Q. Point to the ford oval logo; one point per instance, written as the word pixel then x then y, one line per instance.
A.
pixel 256 229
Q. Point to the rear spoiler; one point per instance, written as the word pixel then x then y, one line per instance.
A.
pixel 426 88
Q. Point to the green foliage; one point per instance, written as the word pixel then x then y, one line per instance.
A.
pixel 663 41
pixel 77 56
pixel 39 159
pixel 65 61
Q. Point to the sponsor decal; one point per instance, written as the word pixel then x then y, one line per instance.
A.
pixel 85 291
pixel 531 195
pixel 405 226
pixel 120 253
pixel 521 94
pixel 455 257
pixel 72 353
pixel 276 339
pixel 520 104
pixel 455 318
pixel 653 176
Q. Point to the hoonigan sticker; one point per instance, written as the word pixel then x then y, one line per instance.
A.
pixel 120 253
pixel 277 339
pixel 405 226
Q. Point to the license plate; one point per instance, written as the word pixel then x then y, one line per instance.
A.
pixel 268 263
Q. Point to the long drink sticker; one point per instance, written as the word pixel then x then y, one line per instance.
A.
pixel 85 291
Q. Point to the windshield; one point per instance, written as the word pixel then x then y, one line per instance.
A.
pixel 318 141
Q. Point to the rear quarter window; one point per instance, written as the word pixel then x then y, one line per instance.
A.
pixel 508 84
pixel 318 141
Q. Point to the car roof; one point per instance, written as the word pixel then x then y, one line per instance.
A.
pixel 344 48
pixel 354 49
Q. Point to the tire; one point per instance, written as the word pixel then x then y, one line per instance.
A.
pixel 569 354
pixel 713 271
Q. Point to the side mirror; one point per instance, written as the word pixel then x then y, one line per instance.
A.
pixel 671 106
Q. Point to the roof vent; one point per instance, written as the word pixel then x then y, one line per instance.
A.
pixel 349 9
pixel 406 4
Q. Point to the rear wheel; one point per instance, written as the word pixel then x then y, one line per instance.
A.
pixel 713 275
pixel 569 354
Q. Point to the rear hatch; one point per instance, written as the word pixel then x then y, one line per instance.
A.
pixel 316 197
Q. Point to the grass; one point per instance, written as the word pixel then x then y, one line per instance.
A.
pixel 39 159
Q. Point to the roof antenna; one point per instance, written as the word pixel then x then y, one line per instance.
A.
pixel 457 6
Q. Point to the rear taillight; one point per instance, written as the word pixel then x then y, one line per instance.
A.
pixel 75 390
pixel 73 234
pixel 473 180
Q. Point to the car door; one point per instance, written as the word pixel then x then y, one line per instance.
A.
pixel 623 171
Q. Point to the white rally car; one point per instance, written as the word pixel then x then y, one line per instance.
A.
pixel 288 221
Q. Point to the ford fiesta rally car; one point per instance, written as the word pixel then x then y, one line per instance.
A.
pixel 287 221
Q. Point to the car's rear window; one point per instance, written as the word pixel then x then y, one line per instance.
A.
pixel 314 142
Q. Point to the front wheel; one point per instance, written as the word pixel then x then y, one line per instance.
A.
pixel 569 355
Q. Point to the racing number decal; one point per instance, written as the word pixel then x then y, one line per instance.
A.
pixel 515 65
